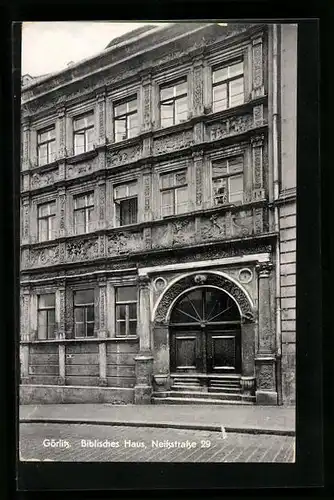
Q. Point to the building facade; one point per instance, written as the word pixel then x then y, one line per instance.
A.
pixel 158 220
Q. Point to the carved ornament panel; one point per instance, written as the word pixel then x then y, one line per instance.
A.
pixel 173 142
pixel 39 180
pixel 79 169
pixel 82 250
pixel 124 243
pixel 123 156
pixel 183 232
pixel 40 257
pixel 230 126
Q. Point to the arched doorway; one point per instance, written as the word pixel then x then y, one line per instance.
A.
pixel 205 335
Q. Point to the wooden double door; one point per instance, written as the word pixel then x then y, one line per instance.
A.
pixel 205 334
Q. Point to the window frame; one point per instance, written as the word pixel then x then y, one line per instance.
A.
pixel 127 319
pixel 50 227
pixel 83 131
pixel 46 143
pixel 228 175
pixel 85 307
pixel 86 209
pixel 163 102
pixel 46 309
pixel 227 81
pixel 173 189
pixel 125 116
pixel 118 201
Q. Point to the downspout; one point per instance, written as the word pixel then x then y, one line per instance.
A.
pixel 276 214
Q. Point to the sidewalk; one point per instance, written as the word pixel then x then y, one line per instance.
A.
pixel 247 419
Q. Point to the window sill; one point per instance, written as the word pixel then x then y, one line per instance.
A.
pixel 247 106
pixel 160 131
pixel 82 157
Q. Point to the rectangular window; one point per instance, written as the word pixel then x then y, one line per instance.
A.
pixel 83 130
pixel 46 316
pixel 83 213
pixel 126 120
pixel 126 311
pixel 126 203
pixel 174 193
pixel 227 86
pixel 227 181
pixel 84 313
pixel 46 145
pixel 46 220
pixel 173 103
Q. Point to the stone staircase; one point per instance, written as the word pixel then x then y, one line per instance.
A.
pixel 218 389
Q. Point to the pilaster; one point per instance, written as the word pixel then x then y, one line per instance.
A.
pixel 257 67
pixel 61 212
pixel 62 364
pixel 257 164
pixel 147 194
pixel 25 220
pixel 61 133
pixel 101 118
pixel 145 114
pixel 25 314
pixel 60 310
pixel 24 363
pixel 198 159
pixel 25 144
pixel 198 86
pixel 101 203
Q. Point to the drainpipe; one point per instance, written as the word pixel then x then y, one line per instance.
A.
pixel 276 213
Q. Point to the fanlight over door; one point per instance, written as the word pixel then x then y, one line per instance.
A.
pixel 205 333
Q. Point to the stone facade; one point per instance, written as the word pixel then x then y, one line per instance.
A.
pixel 245 249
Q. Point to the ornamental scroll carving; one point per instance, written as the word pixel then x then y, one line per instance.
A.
pixel 198 163
pixel 214 227
pixel 147 105
pixel 123 243
pixel 102 201
pixel 123 156
pixel 230 126
pixel 147 192
pixel 212 279
pixel 82 250
pixel 257 146
pixel 76 169
pixel 242 223
pixel 183 232
pixel 44 256
pixel 102 306
pixel 44 179
pixel 101 119
pixel 62 201
pixel 265 379
pixel 25 221
pixel 257 67
pixel 173 142
pixel 198 88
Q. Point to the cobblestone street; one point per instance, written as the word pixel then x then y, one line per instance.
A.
pixel 97 443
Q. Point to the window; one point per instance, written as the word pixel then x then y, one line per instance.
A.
pixel 83 213
pixel 126 203
pixel 46 316
pixel 46 221
pixel 174 193
pixel 84 313
pixel 83 127
pixel 46 146
pixel 227 180
pixel 173 103
pixel 227 87
pixel 126 311
pixel 125 120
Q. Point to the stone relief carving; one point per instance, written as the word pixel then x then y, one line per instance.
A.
pixel 121 242
pixel 258 115
pixel 257 64
pixel 62 201
pixel 214 227
pixel 173 142
pixel 102 306
pixel 230 126
pixel 82 249
pixel 147 104
pixel 198 88
pixel 147 192
pixel 122 156
pixel 101 120
pixel 102 201
pixel 39 180
pixel 257 165
pixel 25 222
pixel 147 236
pixel 245 275
pixel 44 256
pixel 62 310
pixel 161 236
pixel 183 231
pixel 78 169
pixel 242 223
pixel 258 220
pixel 212 279
pixel 265 380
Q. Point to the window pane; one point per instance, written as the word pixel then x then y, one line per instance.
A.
pixel 79 221
pixel 235 69
pixel 79 123
pixel 120 312
pixel 90 199
pixel 236 188
pixel 120 130
pixel 219 98
pixel 43 233
pixel 181 88
pixel 133 328
pixel 79 329
pixel 52 151
pixel 167 180
pixel 42 154
pixel 126 294
pixel 79 201
pixel 90 329
pixel 219 75
pixel 219 168
pixel 42 325
pixel 133 125
pixel 132 105
pixel 89 119
pixel 121 191
pixel 180 178
pixel 51 332
pixel 235 165
pixel 167 203
pixel 167 114
pixel 128 212
pixel 120 328
pixel 132 311
pixel 84 297
pixel 90 139
pixel 181 109
pixel 133 189
pixel 79 315
pixel 236 92
pixel 181 200
pixel 120 109
pixel 46 300
pixel 166 93
pixel 219 187
pixel 90 313
pixel 79 143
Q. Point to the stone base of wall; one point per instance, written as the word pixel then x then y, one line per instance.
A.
pixel 61 394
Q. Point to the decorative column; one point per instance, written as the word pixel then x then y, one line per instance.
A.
pixel 146 196
pixel 61 133
pixel 25 144
pixel 25 335
pixel 101 118
pixel 25 220
pixel 265 359
pixel 60 320
pixel 61 212
pixel 257 161
pixel 144 361
pixel 146 105
pixel 102 333
pixel 101 204
pixel 198 87
pixel 257 67
pixel 199 184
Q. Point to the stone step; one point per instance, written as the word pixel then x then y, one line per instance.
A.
pixel 191 401
pixel 182 388
pixel 204 395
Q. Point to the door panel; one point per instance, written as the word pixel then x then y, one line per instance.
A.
pixel 186 351
pixel 223 349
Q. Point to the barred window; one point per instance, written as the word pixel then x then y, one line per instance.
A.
pixel 126 120
pixel 173 103
pixel 83 131
pixel 46 316
pixel 84 313
pixel 126 203
pixel 126 311
pixel 46 220
pixel 227 86
pixel 174 193
pixel 83 213
pixel 46 145
pixel 227 180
